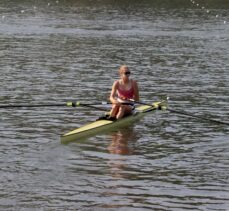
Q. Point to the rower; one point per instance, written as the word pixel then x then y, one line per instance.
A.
pixel 123 91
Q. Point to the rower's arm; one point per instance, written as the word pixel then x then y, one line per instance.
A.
pixel 113 93
pixel 136 91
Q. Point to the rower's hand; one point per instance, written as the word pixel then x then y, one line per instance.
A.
pixel 117 102
pixel 122 100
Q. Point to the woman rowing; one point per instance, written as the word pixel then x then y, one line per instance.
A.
pixel 123 92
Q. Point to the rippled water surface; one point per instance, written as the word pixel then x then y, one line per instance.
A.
pixel 70 51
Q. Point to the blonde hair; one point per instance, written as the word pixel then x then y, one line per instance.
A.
pixel 122 68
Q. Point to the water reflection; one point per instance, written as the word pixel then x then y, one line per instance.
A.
pixel 122 142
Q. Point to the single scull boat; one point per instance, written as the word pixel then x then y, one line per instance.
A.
pixel 102 125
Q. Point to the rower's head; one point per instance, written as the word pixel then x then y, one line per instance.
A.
pixel 124 70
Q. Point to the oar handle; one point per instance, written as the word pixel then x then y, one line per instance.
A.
pixel 160 105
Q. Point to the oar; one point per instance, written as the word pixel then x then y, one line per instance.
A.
pixel 69 104
pixel 32 105
pixel 197 117
pixel 186 114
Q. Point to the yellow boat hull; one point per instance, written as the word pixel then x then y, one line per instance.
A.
pixel 105 125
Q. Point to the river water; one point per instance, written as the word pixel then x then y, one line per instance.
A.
pixel 58 51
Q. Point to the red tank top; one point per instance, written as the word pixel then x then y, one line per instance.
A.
pixel 126 94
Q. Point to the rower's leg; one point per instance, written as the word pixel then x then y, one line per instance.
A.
pixel 123 110
pixel 114 110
